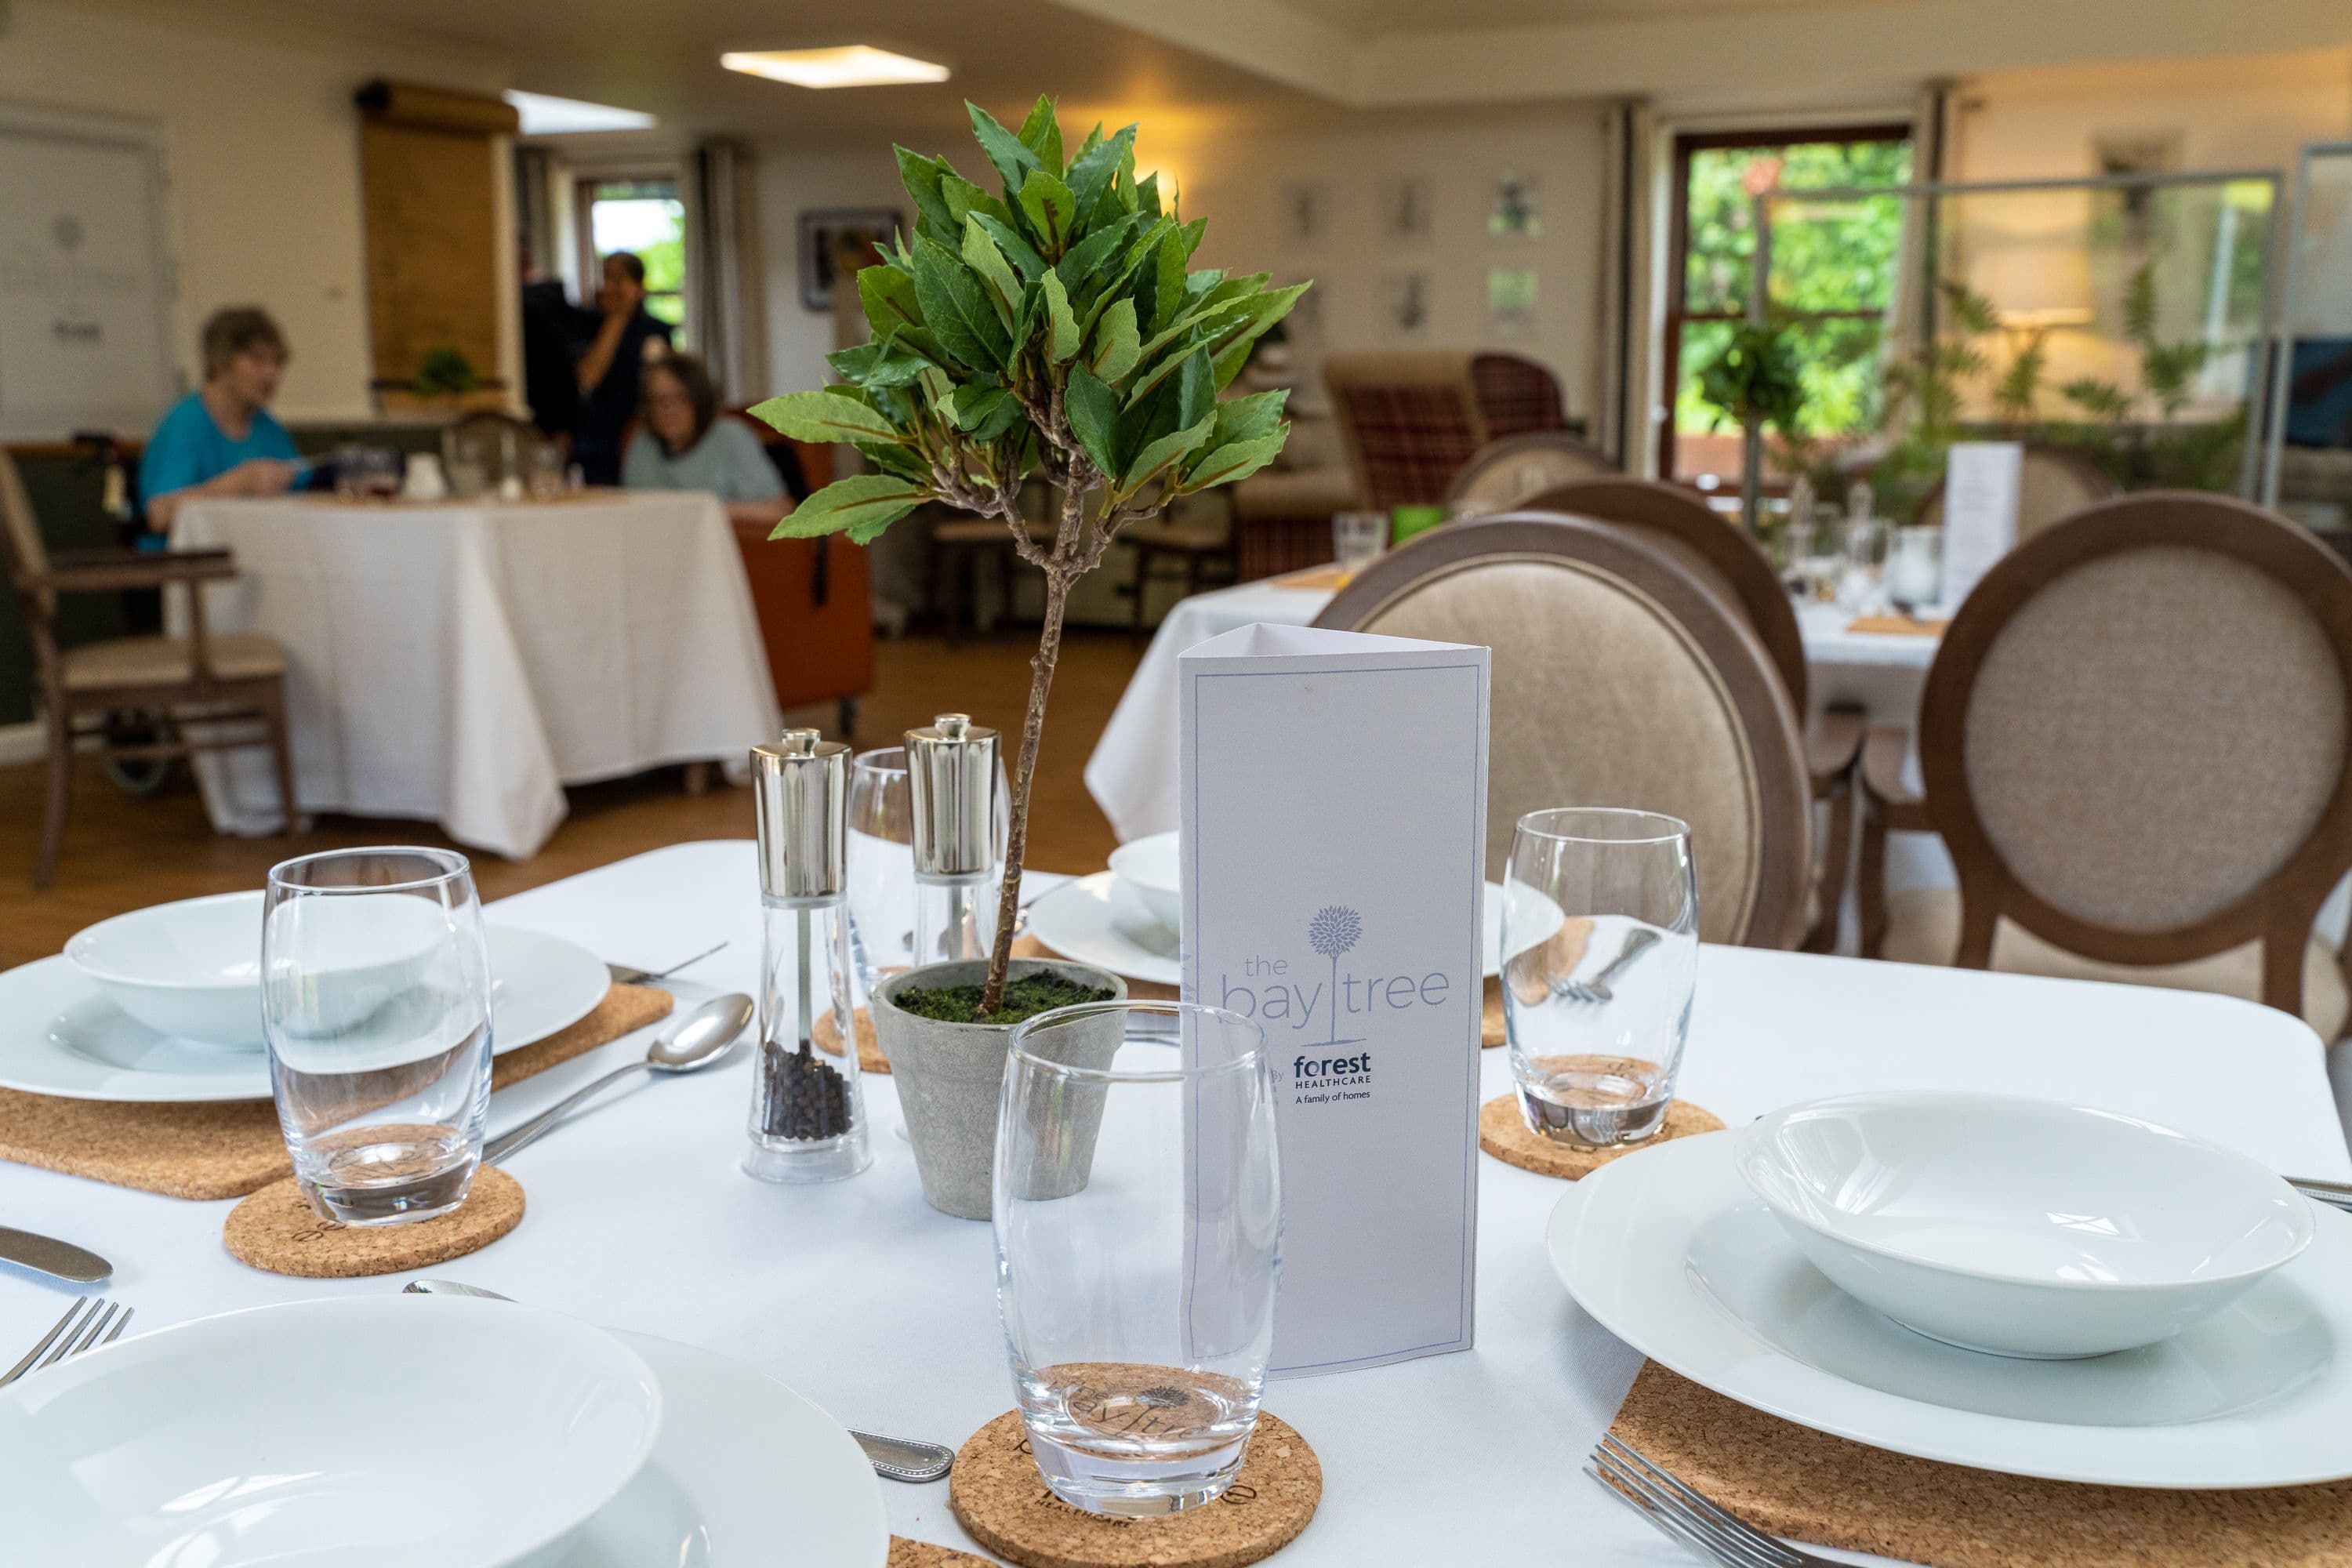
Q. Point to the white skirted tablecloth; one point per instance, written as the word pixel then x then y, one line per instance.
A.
pixel 1132 773
pixel 883 1311
pixel 463 662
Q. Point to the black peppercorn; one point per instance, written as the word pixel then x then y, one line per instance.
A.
pixel 805 1096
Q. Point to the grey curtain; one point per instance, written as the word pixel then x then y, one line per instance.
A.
pixel 724 300
pixel 1627 307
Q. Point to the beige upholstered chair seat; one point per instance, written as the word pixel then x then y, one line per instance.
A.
pixel 1924 927
pixel 149 661
pixel 1296 492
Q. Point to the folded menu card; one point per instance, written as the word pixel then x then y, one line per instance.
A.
pixel 1982 483
pixel 1334 796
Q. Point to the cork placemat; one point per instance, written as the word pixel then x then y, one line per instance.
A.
pixel 827 1040
pixel 1793 1481
pixel 998 1496
pixel 1502 1132
pixel 228 1148
pixel 1329 577
pixel 276 1229
pixel 1898 625
pixel 906 1553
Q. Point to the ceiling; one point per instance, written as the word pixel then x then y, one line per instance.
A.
pixel 1370 17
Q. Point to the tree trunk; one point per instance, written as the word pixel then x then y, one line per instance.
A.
pixel 1032 729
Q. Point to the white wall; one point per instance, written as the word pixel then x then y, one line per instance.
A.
pixel 1237 179
pixel 263 148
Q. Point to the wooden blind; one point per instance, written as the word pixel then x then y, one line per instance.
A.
pixel 428 164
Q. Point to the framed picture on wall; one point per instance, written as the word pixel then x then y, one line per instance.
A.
pixel 825 233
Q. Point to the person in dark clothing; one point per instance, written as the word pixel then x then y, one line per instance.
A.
pixel 612 367
pixel 550 382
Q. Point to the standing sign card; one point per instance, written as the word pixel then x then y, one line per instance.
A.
pixel 1980 490
pixel 1334 794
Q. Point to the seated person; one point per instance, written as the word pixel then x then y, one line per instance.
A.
pixel 221 439
pixel 683 443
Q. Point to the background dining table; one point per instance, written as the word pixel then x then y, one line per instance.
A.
pixel 639 1217
pixel 462 661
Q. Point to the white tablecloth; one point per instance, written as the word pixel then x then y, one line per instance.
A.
pixel 462 663
pixel 883 1312
pixel 1132 773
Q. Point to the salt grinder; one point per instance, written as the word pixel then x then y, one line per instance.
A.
pixel 951 771
pixel 808 1119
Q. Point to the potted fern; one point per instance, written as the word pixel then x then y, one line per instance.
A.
pixel 1055 328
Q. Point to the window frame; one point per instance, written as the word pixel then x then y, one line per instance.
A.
pixel 583 228
pixel 1677 314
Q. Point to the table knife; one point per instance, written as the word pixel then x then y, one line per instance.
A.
pixel 47 1255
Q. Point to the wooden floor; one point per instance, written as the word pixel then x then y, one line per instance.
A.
pixel 123 853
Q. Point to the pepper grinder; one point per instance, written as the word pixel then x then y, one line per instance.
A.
pixel 952 782
pixel 808 1118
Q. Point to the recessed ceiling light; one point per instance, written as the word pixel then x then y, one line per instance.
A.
pixel 856 64
pixel 546 116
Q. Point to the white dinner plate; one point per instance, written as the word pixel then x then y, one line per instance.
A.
pixel 352 1432
pixel 1671 1253
pixel 1101 921
pixel 746 1474
pixel 61 1036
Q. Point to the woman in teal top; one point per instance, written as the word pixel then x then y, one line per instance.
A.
pixel 221 440
pixel 682 444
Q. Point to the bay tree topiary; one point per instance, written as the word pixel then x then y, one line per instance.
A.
pixel 1053 329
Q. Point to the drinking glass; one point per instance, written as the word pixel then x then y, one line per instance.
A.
pixel 1138 1207
pixel 1600 956
pixel 1861 582
pixel 1357 538
pixel 375 1001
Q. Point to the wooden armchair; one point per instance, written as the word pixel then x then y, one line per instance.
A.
pixel 237 678
pixel 1719 556
pixel 2136 743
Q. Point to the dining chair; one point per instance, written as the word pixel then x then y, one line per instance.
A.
pixel 1409 420
pixel 1713 549
pixel 500 445
pixel 2137 741
pixel 2053 483
pixel 1505 475
pixel 237 678
pixel 1618 678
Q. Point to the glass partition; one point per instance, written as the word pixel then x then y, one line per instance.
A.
pixel 2308 471
pixel 2123 318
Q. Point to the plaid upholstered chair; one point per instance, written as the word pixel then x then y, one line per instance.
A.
pixel 2137 741
pixel 1411 421
pixel 1715 551
pixel 1618 679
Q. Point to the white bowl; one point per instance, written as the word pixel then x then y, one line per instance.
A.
pixel 192 969
pixel 360 1432
pixel 2019 1226
pixel 1154 868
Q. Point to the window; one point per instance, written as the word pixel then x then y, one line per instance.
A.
pixel 1831 276
pixel 646 217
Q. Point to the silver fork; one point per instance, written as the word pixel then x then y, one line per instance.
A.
pixel 84 1327
pixel 1709 1530
pixel 1597 988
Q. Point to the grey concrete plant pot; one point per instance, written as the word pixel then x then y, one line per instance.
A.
pixel 951 1076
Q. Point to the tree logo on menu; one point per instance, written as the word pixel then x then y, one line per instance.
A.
pixel 1334 930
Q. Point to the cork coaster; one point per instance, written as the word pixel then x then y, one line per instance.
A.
pixel 1493 1029
pixel 228 1148
pixel 827 1038
pixel 906 1553
pixel 998 1496
pixel 1792 1480
pixel 277 1230
pixel 1502 1132
pixel 1137 990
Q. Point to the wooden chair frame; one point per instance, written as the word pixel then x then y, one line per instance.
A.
pixel 1832 746
pixel 1775 919
pixel 2279 910
pixel 234 702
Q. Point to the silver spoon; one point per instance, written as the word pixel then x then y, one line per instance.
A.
pixel 700 1038
pixel 894 1458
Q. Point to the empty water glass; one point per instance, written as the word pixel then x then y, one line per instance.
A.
pixel 375 1001
pixel 1357 538
pixel 1600 956
pixel 1137 1206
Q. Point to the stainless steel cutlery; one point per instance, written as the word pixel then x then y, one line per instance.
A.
pixel 89 1322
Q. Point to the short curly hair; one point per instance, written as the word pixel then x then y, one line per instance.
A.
pixel 237 330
